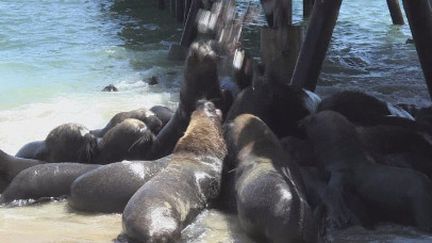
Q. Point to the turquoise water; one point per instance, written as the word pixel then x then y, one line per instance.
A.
pixel 56 56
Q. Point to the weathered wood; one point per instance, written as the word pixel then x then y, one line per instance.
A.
pixel 186 11
pixel 419 16
pixel 180 5
pixel 279 51
pixel 161 4
pixel 278 12
pixel 190 27
pixel 315 45
pixel 307 7
pixel 172 7
pixel 395 12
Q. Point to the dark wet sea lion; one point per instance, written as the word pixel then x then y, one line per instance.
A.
pixel 398 146
pixel 70 142
pixel 129 139
pixel 270 198
pixel 363 109
pixel 200 82
pixel 163 113
pixel 44 181
pixel 144 115
pixel 108 188
pixel 33 150
pixel 390 193
pixel 163 206
pixel 10 165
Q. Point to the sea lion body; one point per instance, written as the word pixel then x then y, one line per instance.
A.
pixel 200 82
pixel 10 165
pixel 108 188
pixel 129 139
pixel 342 157
pixel 70 142
pixel 142 114
pixel 33 150
pixel 163 113
pixel 270 198
pixel 163 206
pixel 45 180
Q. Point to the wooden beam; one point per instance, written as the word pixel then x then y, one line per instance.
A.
pixel 180 5
pixel 307 7
pixel 419 16
pixel 395 12
pixel 315 45
pixel 161 4
pixel 190 27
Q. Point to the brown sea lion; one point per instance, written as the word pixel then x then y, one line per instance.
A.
pixel 144 115
pixel 200 82
pixel 129 139
pixel 350 169
pixel 163 113
pixel 270 197
pixel 163 206
pixel 70 142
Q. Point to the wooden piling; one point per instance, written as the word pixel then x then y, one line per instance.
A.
pixel 161 4
pixel 395 12
pixel 317 39
pixel 279 51
pixel 190 27
pixel 419 16
pixel 186 11
pixel 180 4
pixel 307 7
pixel 172 7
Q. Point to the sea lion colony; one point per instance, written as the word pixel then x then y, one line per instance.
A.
pixel 288 164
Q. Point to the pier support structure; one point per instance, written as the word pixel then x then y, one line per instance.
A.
pixel 419 16
pixel 315 45
pixel 395 12
pixel 307 7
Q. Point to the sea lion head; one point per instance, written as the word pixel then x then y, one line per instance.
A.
pixel 71 142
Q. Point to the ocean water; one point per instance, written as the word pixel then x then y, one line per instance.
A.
pixel 56 56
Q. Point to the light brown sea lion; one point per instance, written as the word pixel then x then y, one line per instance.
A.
pixel 163 206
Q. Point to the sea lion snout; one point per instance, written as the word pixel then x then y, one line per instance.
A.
pixel 209 108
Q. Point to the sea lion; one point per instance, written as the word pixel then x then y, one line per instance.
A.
pixel 108 188
pixel 349 168
pixel 70 142
pixel 163 206
pixel 270 198
pixel 44 181
pixel 144 115
pixel 163 113
pixel 10 166
pixel 200 82
pixel 130 139
pixel 279 106
pixel 398 146
pixel 33 150
pixel 363 109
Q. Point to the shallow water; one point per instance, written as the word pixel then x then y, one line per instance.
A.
pixel 56 56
